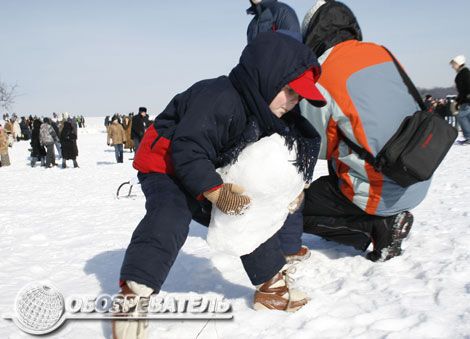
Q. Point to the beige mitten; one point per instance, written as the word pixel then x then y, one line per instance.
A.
pixel 229 199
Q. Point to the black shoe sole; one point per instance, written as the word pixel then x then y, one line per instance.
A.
pixel 401 228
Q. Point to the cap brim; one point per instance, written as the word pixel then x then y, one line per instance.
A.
pixel 305 87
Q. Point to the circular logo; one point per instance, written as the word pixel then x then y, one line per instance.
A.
pixel 39 308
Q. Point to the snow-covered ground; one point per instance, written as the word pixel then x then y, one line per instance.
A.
pixel 66 226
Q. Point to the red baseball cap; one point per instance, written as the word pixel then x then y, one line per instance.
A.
pixel 305 86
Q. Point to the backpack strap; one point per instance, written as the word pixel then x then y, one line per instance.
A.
pixel 362 152
pixel 409 84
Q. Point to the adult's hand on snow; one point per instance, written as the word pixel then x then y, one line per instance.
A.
pixel 229 199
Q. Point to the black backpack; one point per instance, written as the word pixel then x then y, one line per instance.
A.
pixel 417 148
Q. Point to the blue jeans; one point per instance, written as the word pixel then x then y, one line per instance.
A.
pixel 58 146
pixel 119 152
pixel 162 232
pixel 464 120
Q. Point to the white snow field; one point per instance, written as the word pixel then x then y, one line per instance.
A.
pixel 67 227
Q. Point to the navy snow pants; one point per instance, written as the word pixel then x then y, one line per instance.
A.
pixel 162 232
pixel 291 232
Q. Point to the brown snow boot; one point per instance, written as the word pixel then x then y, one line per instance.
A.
pixel 276 294
pixel 301 255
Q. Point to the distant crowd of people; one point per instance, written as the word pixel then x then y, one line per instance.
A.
pixel 444 107
pixel 55 137
pixel 46 136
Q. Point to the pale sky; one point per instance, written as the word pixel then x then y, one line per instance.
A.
pixel 105 56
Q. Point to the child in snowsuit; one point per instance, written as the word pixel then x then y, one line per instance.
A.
pixel 204 128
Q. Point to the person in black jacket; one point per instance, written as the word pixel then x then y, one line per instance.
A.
pixel 204 128
pixel 38 151
pixel 140 123
pixel 68 141
pixel 25 131
pixel 462 82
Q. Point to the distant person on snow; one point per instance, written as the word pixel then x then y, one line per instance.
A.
pixel 206 127
pixel 38 151
pixel 462 82
pixel 68 141
pixel 57 141
pixel 356 205
pixel 47 138
pixel 140 123
pixel 428 101
pixel 116 138
pixel 4 157
pixel 127 125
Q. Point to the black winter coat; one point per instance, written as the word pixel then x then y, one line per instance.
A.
pixel 139 125
pixel 37 149
pixel 462 81
pixel 68 142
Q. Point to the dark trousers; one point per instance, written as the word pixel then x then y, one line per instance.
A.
pixel 136 143
pixel 162 232
pixel 4 160
pixel 329 214
pixel 119 153
pixel 34 159
pixel 290 234
pixel 50 155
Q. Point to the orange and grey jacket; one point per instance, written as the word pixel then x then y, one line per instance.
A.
pixel 367 101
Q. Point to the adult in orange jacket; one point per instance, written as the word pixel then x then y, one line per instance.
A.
pixel 367 101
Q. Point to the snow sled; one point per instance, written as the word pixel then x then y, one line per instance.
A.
pixel 130 183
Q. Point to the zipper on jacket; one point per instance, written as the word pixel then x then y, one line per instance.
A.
pixel 155 141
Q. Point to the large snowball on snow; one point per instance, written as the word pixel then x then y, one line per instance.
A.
pixel 265 169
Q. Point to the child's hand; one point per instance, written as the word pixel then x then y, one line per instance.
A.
pixel 229 199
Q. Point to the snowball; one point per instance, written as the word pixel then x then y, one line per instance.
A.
pixel 266 170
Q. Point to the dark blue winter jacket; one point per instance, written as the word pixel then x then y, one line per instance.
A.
pixel 191 137
pixel 271 15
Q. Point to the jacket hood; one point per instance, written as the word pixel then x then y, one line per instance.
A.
pixel 269 63
pixel 327 24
